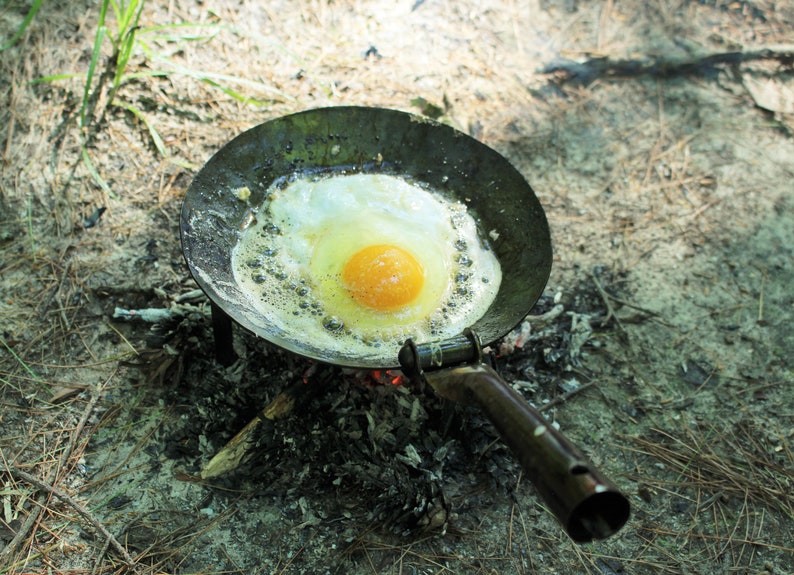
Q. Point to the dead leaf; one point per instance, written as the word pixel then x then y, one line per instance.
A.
pixel 63 393
pixel 773 93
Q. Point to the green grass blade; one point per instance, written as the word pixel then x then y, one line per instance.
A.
pixel 135 9
pixel 221 80
pixel 103 10
pixel 173 33
pixel 148 74
pixel 24 365
pixel 184 164
pixel 25 23
pixel 123 56
pixel 29 218
pixel 124 15
pixel 95 174
pixel 53 78
pixel 117 12
pixel 233 93
pixel 127 26
pixel 156 139
pixel 100 36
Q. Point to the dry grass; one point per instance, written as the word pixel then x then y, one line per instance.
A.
pixel 743 461
pixel 723 482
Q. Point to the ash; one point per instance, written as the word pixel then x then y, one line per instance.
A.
pixel 396 456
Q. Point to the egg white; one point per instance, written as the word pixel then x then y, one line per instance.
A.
pixel 289 262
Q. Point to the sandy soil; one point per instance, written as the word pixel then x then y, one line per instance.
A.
pixel 666 176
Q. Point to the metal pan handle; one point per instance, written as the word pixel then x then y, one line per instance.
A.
pixel 588 505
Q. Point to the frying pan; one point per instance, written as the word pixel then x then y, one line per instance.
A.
pixel 377 140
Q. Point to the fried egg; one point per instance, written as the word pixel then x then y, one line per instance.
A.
pixel 356 261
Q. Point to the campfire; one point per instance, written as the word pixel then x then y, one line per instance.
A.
pixel 370 275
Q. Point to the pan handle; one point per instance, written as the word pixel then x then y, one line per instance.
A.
pixel 587 504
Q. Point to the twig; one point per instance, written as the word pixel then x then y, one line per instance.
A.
pixel 78 430
pixel 231 455
pixel 608 296
pixel 708 537
pixel 26 527
pixel 23 531
pixel 542 320
pixel 100 557
pixel 761 298
pixel 565 396
pixel 155 315
pixel 583 73
pixel 607 302
pixel 10 130
pixel 71 502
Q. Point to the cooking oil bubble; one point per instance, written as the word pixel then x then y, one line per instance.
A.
pixel 464 260
pixel 333 323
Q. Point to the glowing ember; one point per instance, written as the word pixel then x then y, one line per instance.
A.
pixel 387 376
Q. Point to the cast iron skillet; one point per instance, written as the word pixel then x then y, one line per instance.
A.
pixel 381 140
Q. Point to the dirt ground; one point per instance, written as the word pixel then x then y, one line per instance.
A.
pixel 658 137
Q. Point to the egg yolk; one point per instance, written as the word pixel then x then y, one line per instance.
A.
pixel 383 277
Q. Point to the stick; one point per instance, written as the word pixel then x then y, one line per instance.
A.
pixel 606 298
pixel 662 67
pixel 85 513
pixel 9 549
pixel 100 557
pixel 78 430
pixel 231 454
pixel 565 396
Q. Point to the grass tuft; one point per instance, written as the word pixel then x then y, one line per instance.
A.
pixel 119 26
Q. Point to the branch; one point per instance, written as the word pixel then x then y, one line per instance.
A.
pixel 569 71
pixel 33 516
pixel 71 502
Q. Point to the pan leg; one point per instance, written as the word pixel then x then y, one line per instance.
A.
pixel 222 332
